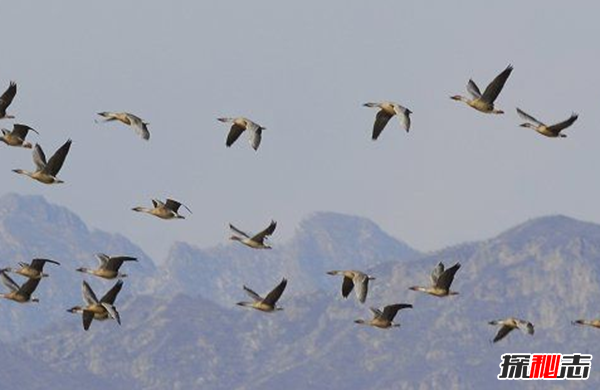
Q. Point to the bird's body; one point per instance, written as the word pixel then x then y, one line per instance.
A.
pixel 353 279
pixel 384 319
pixel 267 304
pixel 46 171
pixel 19 294
pixel 16 137
pixel 166 210
pixel 386 112
pixel 108 267
pixel 441 279
pixel 238 126
pixel 592 323
pixel 95 309
pixel 485 102
pixel 138 124
pixel 6 99
pixel 552 131
pixel 508 325
pixel 35 270
pixel 256 241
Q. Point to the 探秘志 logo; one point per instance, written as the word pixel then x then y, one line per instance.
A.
pixel 545 366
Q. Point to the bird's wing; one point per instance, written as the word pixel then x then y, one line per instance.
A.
pixel 493 89
pixel 557 128
pixel 435 274
pixel 389 312
pixel 525 326
pixel 87 318
pixel 254 134
pixel 29 286
pixel 260 237
pixel 8 282
pixel 111 295
pixel 376 312
pixel 114 263
pixel 102 260
pixel 112 312
pixel 140 127
pixel 361 281
pixel 88 294
pixel 502 332
pixel 446 278
pixel 347 286
pixel 381 119
pixel 403 116
pixel 21 130
pixel 38 264
pixel 275 294
pixel 528 117
pixel 56 161
pixel 175 205
pixel 238 231
pixel 234 133
pixel 252 294
pixel 39 158
pixel 8 96
pixel 473 89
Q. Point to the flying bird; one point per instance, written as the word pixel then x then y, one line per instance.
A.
pixel 95 309
pixel 166 210
pixel 256 241
pixel 485 103
pixel 35 270
pixel 20 294
pixel 16 137
pixel 46 171
pixel 352 279
pixel 385 319
pixel 241 124
pixel 138 124
pixel 108 266
pixel 441 279
pixel 6 99
pixel 552 131
pixel 386 112
pixel 592 323
pixel 507 325
pixel 267 304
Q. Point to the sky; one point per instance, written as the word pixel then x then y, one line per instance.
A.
pixel 303 70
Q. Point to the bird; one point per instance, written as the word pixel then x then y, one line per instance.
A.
pixel 138 124
pixel 385 319
pixel 20 294
pixel 46 171
pixel 552 131
pixel 485 103
pixel 166 210
pixel 95 309
pixel 387 111
pixel 35 270
pixel 592 323
pixel 256 241
pixel 241 124
pixel 508 324
pixel 268 303
pixel 352 279
pixel 108 267
pixel 6 99
pixel 16 137
pixel 441 279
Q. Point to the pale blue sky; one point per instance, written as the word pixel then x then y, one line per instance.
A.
pixel 303 69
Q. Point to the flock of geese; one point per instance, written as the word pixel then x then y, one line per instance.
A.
pixel 46 172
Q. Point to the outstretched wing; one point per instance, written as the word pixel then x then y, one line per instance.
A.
pixel 8 282
pixel 56 161
pixel 389 312
pixel 381 119
pixel 88 294
pixel 114 263
pixel 254 134
pixel 403 116
pixel 21 131
pixel 526 326
pixel 557 128
pixel 102 260
pixel 38 264
pixel 111 295
pixel 112 312
pixel 140 127
pixel 87 318
pixel 174 205
pixel 361 281
pixel 445 279
pixel 473 89
pixel 252 294
pixel 275 294
pixel 234 133
pixel 260 237
pixel 39 158
pixel 7 97
pixel 29 287
pixel 528 117
pixel 502 332
pixel 435 274
pixel 495 87
pixel 347 286
pixel 238 231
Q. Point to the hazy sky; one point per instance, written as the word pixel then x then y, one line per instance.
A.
pixel 303 69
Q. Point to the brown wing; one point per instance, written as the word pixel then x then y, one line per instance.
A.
pixel 87 318
pixel 445 279
pixel 557 128
pixel 29 287
pixel 347 286
pixel 260 237
pixel 111 295
pixel 493 89
pixel 502 332
pixel 389 312
pixel 21 131
pixel 7 98
pixel 56 161
pixel 234 134
pixel 38 264
pixel 114 263
pixel 381 119
pixel 174 205
pixel 275 294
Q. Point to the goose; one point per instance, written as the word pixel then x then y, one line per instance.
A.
pixel 138 124
pixel 592 323
pixel 385 319
pixel 35 270
pixel 46 171
pixel 485 103
pixel 95 309
pixel 16 137
pixel 508 324
pixel 441 279
pixel 6 99
pixel 552 131
pixel 268 303
pixel 238 126
pixel 166 210
pixel 351 279
pixel 108 267
pixel 20 294
pixel 256 241
pixel 387 111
